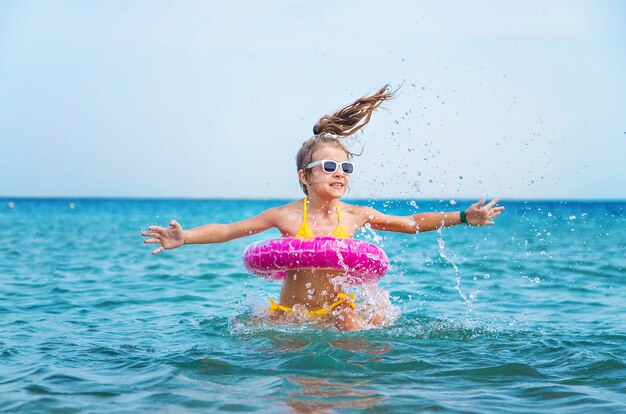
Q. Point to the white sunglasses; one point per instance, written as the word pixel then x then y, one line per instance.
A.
pixel 330 166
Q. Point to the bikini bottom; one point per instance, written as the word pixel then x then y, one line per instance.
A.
pixel 341 298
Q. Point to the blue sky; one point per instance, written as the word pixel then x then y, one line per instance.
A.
pixel 206 99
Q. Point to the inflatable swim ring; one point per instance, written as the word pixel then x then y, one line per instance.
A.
pixel 362 262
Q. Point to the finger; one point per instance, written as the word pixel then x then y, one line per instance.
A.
pixel 479 203
pixel 489 223
pixel 150 234
pixel 158 250
pixel 492 202
pixel 496 214
pixel 498 208
pixel 152 241
pixel 157 229
pixel 174 224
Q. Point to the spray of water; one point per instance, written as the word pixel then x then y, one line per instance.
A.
pixel 374 302
pixel 443 252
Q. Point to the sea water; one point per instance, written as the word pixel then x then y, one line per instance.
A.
pixel 527 316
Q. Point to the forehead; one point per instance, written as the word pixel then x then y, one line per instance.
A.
pixel 329 152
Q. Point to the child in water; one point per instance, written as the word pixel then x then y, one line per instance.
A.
pixel 324 169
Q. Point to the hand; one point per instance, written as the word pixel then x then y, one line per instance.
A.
pixel 480 214
pixel 169 238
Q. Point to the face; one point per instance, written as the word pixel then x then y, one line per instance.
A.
pixel 322 184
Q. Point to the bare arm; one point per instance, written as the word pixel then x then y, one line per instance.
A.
pixel 219 233
pixel 478 214
pixel 175 236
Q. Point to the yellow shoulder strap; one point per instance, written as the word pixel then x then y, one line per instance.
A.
pixel 304 232
pixel 340 231
pixel 338 212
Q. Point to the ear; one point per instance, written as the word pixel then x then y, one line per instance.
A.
pixel 302 177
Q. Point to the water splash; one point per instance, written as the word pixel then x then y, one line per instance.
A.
pixel 374 301
pixel 371 235
pixel 467 298
pixel 253 300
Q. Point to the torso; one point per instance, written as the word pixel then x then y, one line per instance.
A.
pixel 314 288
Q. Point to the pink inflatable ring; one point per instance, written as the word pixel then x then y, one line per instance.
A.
pixel 362 262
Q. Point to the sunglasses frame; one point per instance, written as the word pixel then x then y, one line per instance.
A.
pixel 337 164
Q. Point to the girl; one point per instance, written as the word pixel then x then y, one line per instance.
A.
pixel 324 170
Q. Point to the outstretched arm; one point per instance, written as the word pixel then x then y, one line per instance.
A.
pixel 175 236
pixel 478 214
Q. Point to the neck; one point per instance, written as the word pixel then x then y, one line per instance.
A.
pixel 320 205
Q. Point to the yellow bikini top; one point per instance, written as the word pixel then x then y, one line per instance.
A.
pixel 304 232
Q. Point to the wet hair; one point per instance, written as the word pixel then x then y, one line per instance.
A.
pixel 330 129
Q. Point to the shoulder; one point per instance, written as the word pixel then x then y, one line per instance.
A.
pixel 363 212
pixel 285 209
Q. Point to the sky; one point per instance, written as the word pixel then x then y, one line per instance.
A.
pixel 206 99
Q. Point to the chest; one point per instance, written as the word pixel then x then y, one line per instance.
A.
pixel 320 225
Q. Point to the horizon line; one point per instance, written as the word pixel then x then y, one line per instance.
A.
pixel 159 198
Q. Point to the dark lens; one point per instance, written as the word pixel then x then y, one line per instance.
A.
pixel 330 166
pixel 347 167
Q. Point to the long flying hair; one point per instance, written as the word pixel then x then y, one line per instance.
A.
pixel 341 124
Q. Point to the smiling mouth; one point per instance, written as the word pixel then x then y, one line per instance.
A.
pixel 337 185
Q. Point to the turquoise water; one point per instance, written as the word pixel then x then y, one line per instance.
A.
pixel 525 316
